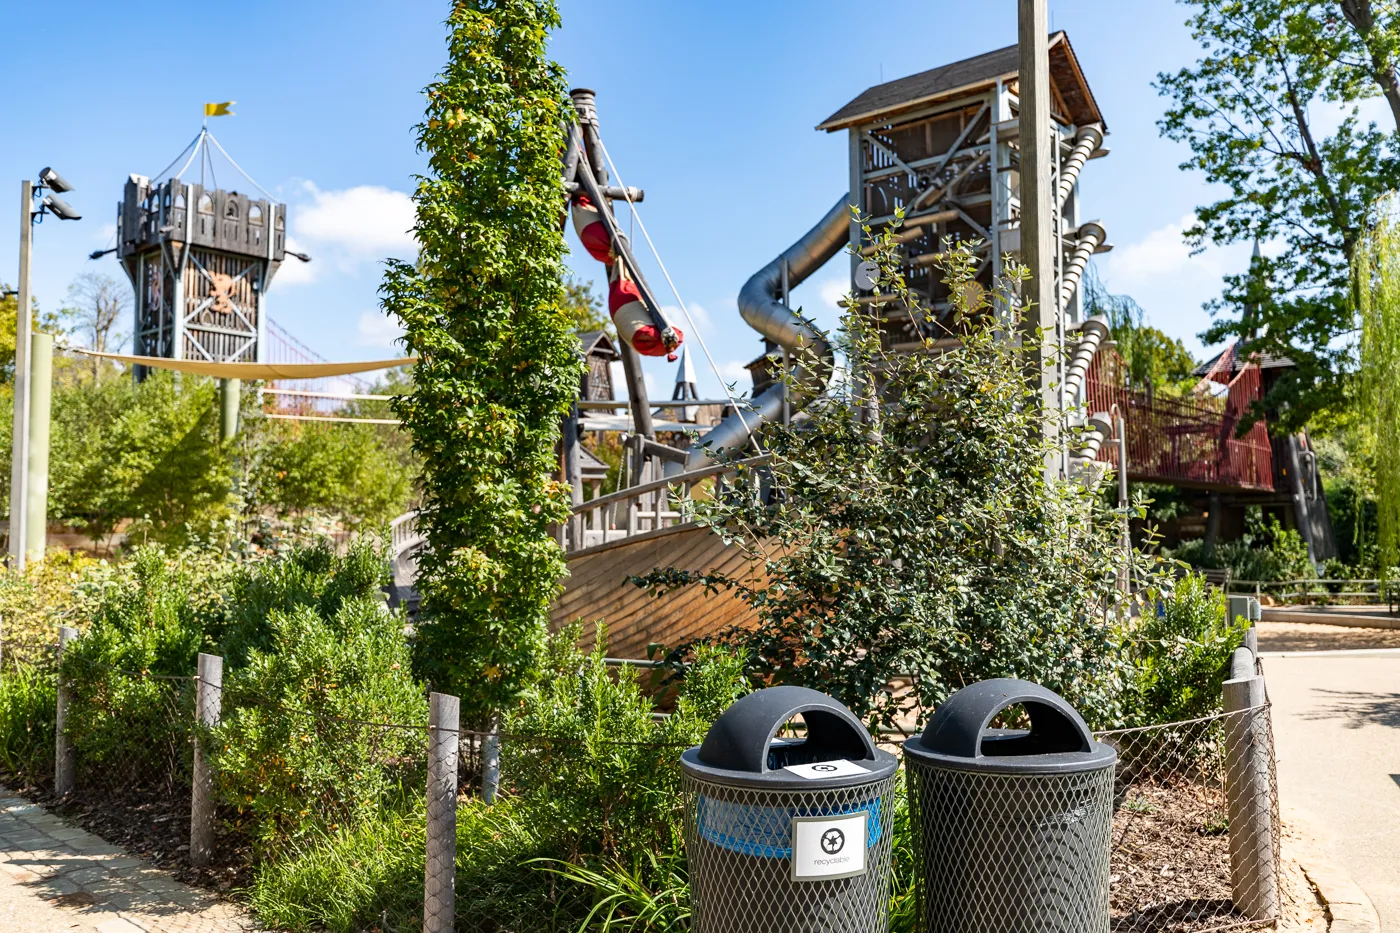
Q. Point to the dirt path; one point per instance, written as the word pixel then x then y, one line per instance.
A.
pixel 54 877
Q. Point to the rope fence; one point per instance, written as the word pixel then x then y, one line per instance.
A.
pixel 1195 824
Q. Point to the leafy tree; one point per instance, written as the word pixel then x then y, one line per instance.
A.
pixel 586 307
pixel 96 305
pixel 1248 110
pixel 483 308
pixel 1155 362
pixel 1378 301
pixel 930 543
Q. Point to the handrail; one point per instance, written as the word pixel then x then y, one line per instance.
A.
pixel 631 492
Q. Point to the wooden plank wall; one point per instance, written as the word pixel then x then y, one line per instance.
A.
pixel 597 588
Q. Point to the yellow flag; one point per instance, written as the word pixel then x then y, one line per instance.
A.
pixel 220 110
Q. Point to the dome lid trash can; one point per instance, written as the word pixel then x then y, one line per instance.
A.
pixel 788 835
pixel 1012 827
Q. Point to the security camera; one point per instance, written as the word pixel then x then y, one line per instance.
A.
pixel 61 208
pixel 54 181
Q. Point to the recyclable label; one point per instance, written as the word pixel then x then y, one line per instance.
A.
pixel 828 847
pixel 826 769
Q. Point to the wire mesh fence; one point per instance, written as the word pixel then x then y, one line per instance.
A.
pixel 1171 866
pixel 1180 858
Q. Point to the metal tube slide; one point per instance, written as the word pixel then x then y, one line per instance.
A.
pixel 1091 235
pixel 1092 333
pixel 760 303
pixel 1088 139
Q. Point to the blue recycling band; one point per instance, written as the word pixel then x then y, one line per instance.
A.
pixel 766 832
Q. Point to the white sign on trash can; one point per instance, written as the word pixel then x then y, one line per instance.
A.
pixel 826 847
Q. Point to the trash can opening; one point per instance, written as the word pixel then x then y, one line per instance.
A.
pixel 745 740
pixel 961 732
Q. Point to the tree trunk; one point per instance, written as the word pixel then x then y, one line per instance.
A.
pixel 1358 13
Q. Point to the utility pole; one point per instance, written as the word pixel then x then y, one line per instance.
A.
pixel 19 439
pixel 1037 255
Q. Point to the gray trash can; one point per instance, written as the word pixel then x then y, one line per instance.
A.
pixel 787 836
pixel 1012 827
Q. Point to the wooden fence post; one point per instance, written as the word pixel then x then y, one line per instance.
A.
pixel 65 769
pixel 440 870
pixel 209 694
pixel 1248 798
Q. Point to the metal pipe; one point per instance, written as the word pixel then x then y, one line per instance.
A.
pixel 762 309
pixel 1091 235
pixel 230 395
pixel 1086 142
pixel 1092 333
pixel 40 407
pixel 19 445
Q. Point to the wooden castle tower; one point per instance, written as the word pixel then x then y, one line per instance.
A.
pixel 199 260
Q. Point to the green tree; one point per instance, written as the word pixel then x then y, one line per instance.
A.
pixel 1378 302
pixel 1248 111
pixel 499 366
pixel 1155 362
pixel 586 307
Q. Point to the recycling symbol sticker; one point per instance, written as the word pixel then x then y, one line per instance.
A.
pixel 829 846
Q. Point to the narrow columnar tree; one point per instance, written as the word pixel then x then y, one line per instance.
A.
pixel 498 367
pixel 1377 277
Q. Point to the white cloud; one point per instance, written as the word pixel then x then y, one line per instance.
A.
pixel 1161 274
pixel 734 373
pixel 377 329
pixel 105 235
pixel 698 314
pixel 293 271
pixel 366 222
pixel 833 291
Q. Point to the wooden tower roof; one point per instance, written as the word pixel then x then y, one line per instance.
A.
pixel 971 75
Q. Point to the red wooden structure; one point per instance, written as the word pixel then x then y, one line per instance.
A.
pixel 1188 441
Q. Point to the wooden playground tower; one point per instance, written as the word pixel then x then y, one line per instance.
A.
pixel 200 260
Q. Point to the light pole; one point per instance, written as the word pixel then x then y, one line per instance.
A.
pixel 33 205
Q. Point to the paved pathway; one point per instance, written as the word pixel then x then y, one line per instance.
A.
pixel 1337 732
pixel 54 877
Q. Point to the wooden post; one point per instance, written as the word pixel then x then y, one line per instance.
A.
pixel 1037 254
pixel 491 760
pixel 1248 801
pixel 209 693
pixel 65 770
pixel 440 869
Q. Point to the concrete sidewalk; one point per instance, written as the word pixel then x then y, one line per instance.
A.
pixel 54 877
pixel 1337 734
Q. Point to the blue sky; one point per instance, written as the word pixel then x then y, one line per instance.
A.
pixel 708 106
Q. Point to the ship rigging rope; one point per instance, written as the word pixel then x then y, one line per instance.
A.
pixel 679 300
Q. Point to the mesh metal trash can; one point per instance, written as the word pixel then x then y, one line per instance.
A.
pixel 788 836
pixel 1012 827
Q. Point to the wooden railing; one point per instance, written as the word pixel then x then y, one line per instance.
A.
pixel 651 506
pixel 1355 592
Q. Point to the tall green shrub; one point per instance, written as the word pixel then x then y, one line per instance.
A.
pixel 498 365
pixel 909 528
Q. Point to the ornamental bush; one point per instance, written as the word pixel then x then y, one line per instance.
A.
pixel 904 540
pixel 498 366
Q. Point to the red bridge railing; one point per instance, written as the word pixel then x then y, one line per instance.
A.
pixel 1186 441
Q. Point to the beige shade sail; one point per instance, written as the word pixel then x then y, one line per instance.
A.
pixel 251 370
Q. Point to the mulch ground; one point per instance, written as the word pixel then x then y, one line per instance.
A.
pixel 1170 869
